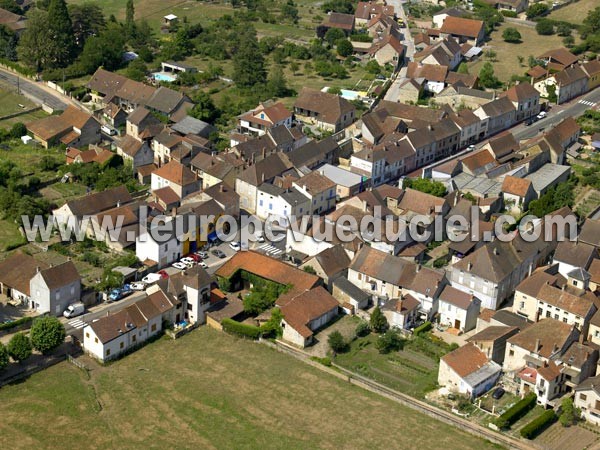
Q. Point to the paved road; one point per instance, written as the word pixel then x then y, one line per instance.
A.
pixel 393 91
pixel 558 113
pixel 32 90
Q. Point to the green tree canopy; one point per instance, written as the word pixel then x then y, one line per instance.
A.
pixel 104 50
pixel 511 35
pixel 46 334
pixel 544 27
pixel 60 27
pixel 334 34
pixel 248 63
pixel 336 342
pixel 19 347
pixel 379 323
pixel 204 108
pixel 536 10
pixel 487 78
pixel 88 20
pixel 3 356
pixel 425 185
pixel 344 47
pixel 34 47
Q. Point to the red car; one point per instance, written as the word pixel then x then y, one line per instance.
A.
pixel 195 257
pixel 163 274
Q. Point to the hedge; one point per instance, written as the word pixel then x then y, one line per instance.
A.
pixel 539 424
pixel 241 329
pixel 15 323
pixel 423 328
pixel 517 411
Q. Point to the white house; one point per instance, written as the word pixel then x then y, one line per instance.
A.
pixel 272 200
pixel 468 371
pixel 55 288
pixel 587 399
pixel 114 334
pixel 319 189
pixel 159 246
pixel 458 309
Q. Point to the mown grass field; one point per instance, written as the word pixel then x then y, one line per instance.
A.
pixel 210 390
pixel 574 12
pixel 506 62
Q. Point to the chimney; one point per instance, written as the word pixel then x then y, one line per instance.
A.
pixel 530 268
pixel 537 346
pixel 417 268
pixel 262 177
pixel 221 188
pixel 264 152
pixel 173 212
pixel 364 205
pixel 495 251
pixel 37 269
pixel 469 266
pixel 118 203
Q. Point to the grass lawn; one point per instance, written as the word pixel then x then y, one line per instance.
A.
pixel 412 370
pixel 575 12
pixel 9 102
pixel 507 63
pixel 210 390
pixel 9 234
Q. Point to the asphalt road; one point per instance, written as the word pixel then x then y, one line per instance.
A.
pixel 558 113
pixel 393 91
pixel 31 90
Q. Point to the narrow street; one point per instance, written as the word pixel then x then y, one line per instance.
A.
pixel 393 91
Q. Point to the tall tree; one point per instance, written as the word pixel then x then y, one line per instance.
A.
pixel 379 323
pixel 34 45
pixel 61 34
pixel 8 43
pixel 46 334
pixel 277 84
pixel 487 78
pixel 129 19
pixel 248 62
pixel 88 20
pixel 105 50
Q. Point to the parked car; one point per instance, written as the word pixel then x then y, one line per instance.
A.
pixel 498 393
pixel 115 295
pixel 126 289
pixel 529 121
pixel 179 265
pixel 260 236
pixel 108 130
pixel 138 286
pixel 74 310
pixel 471 147
pixel 151 278
pixel 189 262
pixel 541 115
pixel 235 246
pixel 202 255
pixel 219 253
pixel 195 257
pixel 163 274
pixel 203 265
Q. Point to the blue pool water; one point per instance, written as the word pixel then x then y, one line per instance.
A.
pixel 349 95
pixel 163 77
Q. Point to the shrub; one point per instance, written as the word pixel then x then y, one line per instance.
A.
pixel 389 341
pixel 539 424
pixel 511 35
pixel 19 347
pixel 241 329
pixel 362 329
pixel 423 328
pixel 326 361
pixel 47 333
pixel 15 323
pixel 569 415
pixel 516 411
pixel 544 27
pixel 3 356
pixel 379 323
pixel 336 342
pixel 507 13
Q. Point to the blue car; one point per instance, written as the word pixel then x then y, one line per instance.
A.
pixel 115 295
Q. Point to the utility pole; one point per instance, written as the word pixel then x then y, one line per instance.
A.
pixel 18 86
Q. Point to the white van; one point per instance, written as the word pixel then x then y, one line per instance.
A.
pixel 74 310
pixel 108 130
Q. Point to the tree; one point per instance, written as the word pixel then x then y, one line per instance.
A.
pixel 137 70
pixel 544 27
pixel 344 47
pixel 389 341
pixel 521 59
pixel 277 84
pixel 46 334
pixel 463 68
pixel 10 5
pixel 536 10
pixel 334 34
pixel 336 342
pixel 61 34
pixel 88 20
pixel 248 62
pixel 487 78
pixel 569 414
pixel 294 67
pixel 104 50
pixel 563 29
pixel 425 185
pixel 8 43
pixel 309 269
pixel 511 35
pixel 34 45
pixel 569 41
pixel 19 347
pixel 362 329
pixel 491 55
pixel 130 19
pixel 373 67
pixel 3 356
pixel 379 323
pixel 591 23
pixel 341 6
pixel 204 108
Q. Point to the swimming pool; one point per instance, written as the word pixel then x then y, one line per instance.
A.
pixel 352 95
pixel 159 76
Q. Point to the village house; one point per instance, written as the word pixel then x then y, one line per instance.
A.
pixel 95 154
pixel 16 272
pixel 570 83
pixel 467 370
pixel 365 11
pixel 458 309
pixel 176 176
pixel 572 255
pixel 54 288
pixel 463 30
pixel 517 193
pixel 137 153
pixel 387 50
pixel 213 169
pixel 402 312
pixel 526 100
pixel 496 116
pixel 592 70
pixel 344 22
pixel 139 120
pixel 439 17
pixel 348 184
pixel 492 341
pixel 350 296
pixel 267 115
pixel 159 248
pixel 443 53
pixel 590 232
pixel 113 115
pixel 72 128
pixel 275 202
pixel 385 162
pixel 328 111
pixel 587 399
pixel 88 205
pixel 319 189
pixel 434 76
pixel 123 331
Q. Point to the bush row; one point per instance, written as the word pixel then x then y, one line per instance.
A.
pixel 539 424
pixel 15 323
pixel 241 329
pixel 423 328
pixel 517 411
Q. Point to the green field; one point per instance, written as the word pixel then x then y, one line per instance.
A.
pixel 210 390
pixel 412 370
pixel 506 62
pixel 575 12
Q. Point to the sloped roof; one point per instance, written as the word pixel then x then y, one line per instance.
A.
pixel 308 306
pixel 176 173
pixel 550 333
pixel 431 72
pixel 266 169
pixel 578 254
pixel 590 232
pixel 462 27
pixel 333 260
pixel 516 186
pixel 465 360
pixel 94 203
pixel 560 55
pixel 521 91
pixel 330 107
pixel 17 270
pixel 61 275
pixel 339 20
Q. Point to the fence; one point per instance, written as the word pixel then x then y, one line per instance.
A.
pixel 20 113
